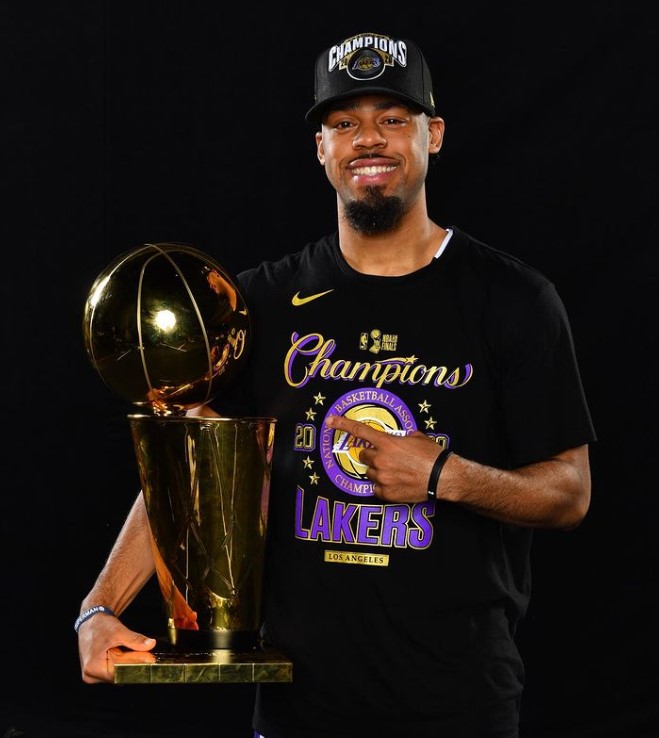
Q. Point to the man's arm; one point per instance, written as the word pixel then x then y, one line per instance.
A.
pixel 127 569
pixel 554 493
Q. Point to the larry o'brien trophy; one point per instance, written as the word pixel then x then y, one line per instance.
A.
pixel 167 329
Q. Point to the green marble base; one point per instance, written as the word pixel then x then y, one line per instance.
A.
pixel 207 667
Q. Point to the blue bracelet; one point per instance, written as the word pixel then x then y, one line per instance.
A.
pixel 84 616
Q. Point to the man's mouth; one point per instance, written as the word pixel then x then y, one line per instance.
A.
pixel 369 171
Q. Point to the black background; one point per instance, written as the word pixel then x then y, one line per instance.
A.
pixel 125 123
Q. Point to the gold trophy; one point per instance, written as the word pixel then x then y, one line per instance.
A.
pixel 167 329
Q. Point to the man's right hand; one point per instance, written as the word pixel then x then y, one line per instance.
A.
pixel 103 640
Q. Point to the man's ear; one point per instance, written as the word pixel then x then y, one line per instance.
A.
pixel 436 139
pixel 320 149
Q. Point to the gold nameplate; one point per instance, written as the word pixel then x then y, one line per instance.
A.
pixel 356 557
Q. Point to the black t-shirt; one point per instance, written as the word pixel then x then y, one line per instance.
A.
pixel 400 618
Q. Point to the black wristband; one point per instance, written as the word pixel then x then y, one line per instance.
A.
pixel 435 472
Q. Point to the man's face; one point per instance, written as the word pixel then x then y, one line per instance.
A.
pixel 375 152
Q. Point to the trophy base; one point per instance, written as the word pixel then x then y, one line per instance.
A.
pixel 169 664
pixel 235 640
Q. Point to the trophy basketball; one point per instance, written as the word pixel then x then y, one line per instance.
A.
pixel 167 329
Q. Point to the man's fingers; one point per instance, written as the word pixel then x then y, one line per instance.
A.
pixel 138 642
pixel 355 428
pixel 119 656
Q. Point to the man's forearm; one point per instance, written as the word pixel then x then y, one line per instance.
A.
pixel 550 494
pixel 128 567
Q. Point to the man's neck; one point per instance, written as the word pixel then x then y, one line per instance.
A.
pixel 410 246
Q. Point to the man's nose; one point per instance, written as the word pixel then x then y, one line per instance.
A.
pixel 368 136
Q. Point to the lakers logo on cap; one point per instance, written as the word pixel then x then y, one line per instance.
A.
pixel 367 65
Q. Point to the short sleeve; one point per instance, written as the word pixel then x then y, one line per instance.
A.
pixel 544 406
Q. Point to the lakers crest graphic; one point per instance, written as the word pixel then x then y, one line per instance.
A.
pixel 377 408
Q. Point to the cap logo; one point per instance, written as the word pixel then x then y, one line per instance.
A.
pixel 365 57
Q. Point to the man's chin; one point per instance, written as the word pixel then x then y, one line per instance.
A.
pixel 375 213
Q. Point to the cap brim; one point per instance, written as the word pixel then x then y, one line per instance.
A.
pixel 315 113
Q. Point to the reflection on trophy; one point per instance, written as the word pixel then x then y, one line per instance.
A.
pixel 167 329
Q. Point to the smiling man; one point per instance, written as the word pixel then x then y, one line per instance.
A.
pixel 430 416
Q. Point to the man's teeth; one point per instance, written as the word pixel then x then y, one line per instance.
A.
pixel 373 170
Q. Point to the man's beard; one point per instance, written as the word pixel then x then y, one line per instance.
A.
pixel 376 213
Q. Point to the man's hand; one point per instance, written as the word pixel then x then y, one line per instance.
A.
pixel 102 640
pixel 398 466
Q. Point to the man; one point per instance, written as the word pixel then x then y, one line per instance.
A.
pixel 430 415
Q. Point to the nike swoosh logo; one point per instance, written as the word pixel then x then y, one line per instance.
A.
pixel 297 300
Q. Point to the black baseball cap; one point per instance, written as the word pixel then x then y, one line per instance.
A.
pixel 371 63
